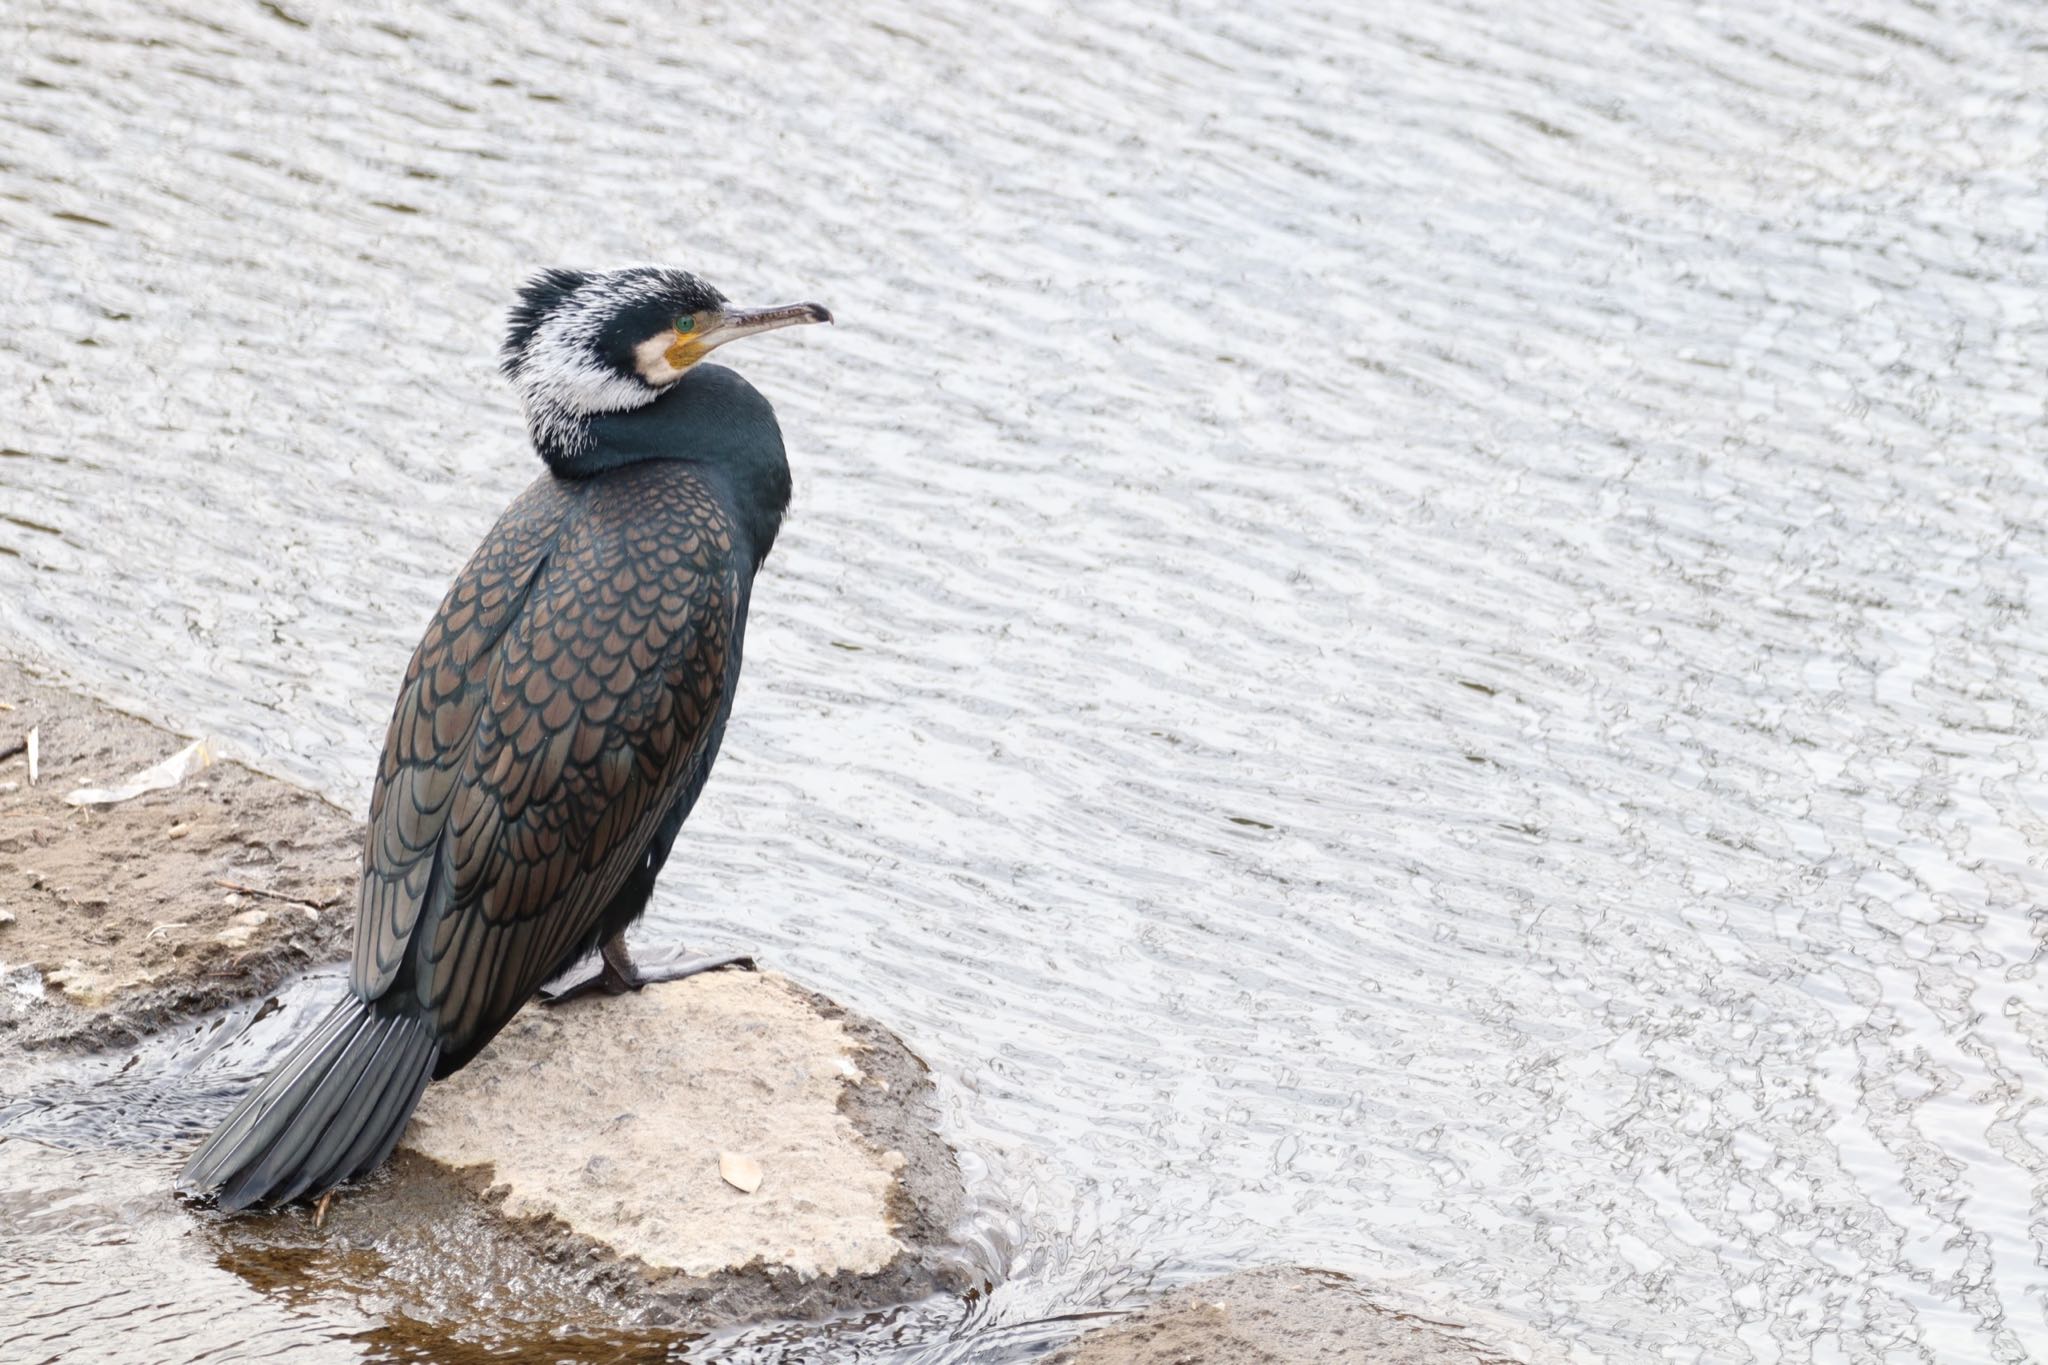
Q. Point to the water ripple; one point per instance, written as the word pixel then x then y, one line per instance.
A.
pixel 1409 641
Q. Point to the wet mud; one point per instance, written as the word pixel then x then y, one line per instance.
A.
pixel 1279 1316
pixel 115 919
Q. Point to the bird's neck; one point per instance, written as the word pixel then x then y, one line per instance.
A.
pixel 571 443
pixel 712 420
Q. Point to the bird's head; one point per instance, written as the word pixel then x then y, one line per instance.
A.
pixel 584 343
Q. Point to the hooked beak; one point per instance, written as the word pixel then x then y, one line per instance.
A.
pixel 734 323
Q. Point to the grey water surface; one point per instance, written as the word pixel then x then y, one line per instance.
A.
pixel 1411 641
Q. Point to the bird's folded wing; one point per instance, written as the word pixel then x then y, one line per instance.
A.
pixel 601 696
pixel 433 726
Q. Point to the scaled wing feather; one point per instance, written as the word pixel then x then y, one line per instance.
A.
pixel 489 863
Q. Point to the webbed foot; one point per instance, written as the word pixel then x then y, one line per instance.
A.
pixel 614 971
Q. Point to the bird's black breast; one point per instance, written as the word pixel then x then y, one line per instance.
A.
pixel 563 696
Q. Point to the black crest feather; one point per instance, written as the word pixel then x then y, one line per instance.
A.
pixel 538 297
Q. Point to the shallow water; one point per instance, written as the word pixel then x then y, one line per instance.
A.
pixel 1411 639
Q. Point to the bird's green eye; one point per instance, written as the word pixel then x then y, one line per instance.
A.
pixel 685 325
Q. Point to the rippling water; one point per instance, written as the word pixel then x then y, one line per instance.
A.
pixel 1412 636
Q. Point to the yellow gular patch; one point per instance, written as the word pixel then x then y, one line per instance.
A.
pixel 685 351
pixel 662 358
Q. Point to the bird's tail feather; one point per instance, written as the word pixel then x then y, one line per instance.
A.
pixel 333 1110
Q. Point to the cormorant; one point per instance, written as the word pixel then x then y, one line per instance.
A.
pixel 557 721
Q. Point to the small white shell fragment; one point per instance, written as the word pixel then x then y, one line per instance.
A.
pixel 743 1173
pixel 169 773
pixel 242 928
